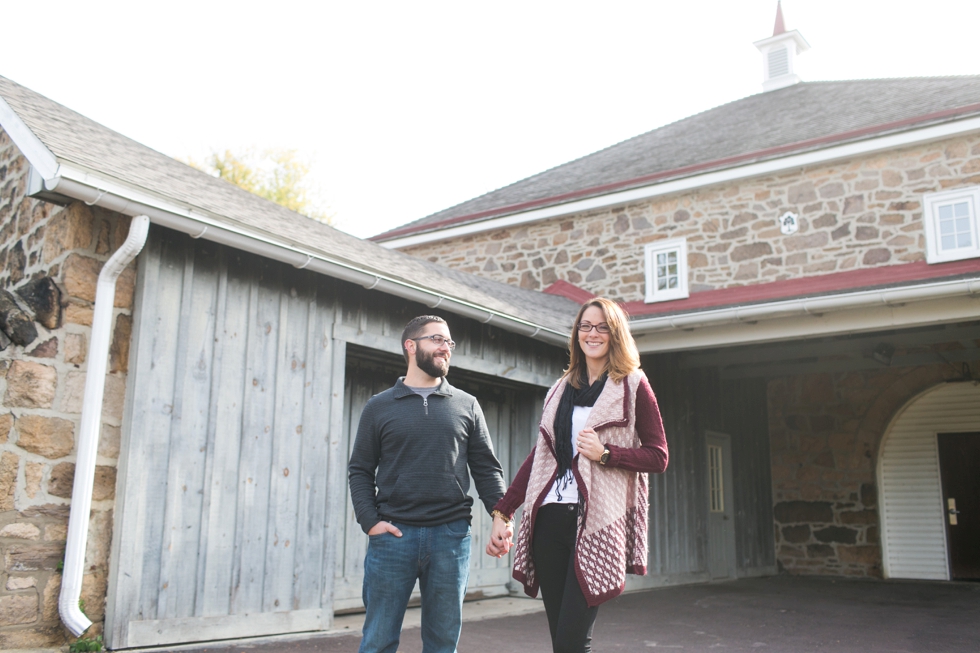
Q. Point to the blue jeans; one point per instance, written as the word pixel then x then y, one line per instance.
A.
pixel 439 557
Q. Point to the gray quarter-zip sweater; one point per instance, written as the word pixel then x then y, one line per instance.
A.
pixel 410 458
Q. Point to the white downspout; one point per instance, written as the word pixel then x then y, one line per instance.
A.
pixel 91 422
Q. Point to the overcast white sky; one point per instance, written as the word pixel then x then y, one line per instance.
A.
pixel 408 108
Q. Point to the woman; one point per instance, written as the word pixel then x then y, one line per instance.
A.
pixel 585 525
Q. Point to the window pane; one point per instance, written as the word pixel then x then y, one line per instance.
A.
pixel 715 480
pixel 665 270
pixel 954 226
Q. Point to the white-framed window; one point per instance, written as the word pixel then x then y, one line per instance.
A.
pixel 951 224
pixel 666 270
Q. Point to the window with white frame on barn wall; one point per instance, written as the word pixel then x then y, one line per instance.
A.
pixel 666 270
pixel 952 225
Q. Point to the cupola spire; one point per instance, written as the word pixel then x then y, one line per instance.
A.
pixel 779 54
pixel 780 26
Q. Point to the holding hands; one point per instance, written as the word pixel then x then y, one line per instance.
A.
pixel 501 536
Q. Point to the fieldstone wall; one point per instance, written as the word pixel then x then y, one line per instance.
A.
pixel 861 213
pixel 825 434
pixel 54 253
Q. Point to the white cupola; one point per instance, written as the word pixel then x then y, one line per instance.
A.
pixel 778 54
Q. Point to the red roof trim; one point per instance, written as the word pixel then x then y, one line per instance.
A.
pixel 570 291
pixel 788 289
pixel 676 172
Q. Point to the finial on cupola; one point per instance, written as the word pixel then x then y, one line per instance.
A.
pixel 778 54
pixel 780 26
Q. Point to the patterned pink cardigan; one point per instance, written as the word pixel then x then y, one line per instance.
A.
pixel 612 529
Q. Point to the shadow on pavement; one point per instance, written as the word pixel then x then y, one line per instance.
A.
pixel 781 613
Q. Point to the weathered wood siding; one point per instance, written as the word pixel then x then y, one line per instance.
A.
pixel 693 401
pixel 232 479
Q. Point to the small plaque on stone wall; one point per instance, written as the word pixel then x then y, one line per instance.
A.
pixel 789 223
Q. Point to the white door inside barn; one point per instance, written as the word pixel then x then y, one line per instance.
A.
pixel 914 512
pixel 721 513
pixel 511 415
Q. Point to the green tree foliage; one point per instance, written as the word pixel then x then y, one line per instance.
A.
pixel 279 175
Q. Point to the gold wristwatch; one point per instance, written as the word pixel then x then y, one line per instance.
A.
pixel 604 458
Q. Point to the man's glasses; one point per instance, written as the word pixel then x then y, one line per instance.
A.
pixel 438 341
pixel 585 327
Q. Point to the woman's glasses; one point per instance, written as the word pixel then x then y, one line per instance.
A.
pixel 585 327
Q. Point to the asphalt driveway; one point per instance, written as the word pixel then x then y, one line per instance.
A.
pixel 781 613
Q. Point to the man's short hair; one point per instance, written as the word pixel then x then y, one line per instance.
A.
pixel 415 327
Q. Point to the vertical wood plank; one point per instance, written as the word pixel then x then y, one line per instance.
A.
pixel 256 451
pixel 224 445
pixel 337 492
pixel 189 431
pixel 288 453
pixel 153 427
pixel 313 472
pixel 125 579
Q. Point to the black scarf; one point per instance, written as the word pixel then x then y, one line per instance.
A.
pixel 571 397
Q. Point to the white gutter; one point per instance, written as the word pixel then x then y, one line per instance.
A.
pixel 80 185
pixel 813 306
pixel 88 437
pixel 771 166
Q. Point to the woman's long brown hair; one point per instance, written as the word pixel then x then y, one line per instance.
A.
pixel 623 355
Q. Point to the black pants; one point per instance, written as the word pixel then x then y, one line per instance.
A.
pixel 553 548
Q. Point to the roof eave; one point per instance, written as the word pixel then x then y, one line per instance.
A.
pixel 905 306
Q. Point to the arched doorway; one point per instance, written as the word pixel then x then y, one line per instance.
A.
pixel 915 523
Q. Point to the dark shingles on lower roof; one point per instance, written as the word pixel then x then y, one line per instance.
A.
pixel 77 140
pixel 787 116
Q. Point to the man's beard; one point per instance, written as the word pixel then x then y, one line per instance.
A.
pixel 427 364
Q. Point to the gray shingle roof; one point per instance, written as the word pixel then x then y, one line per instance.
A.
pixel 790 119
pixel 79 141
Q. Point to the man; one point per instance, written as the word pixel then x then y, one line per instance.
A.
pixel 408 483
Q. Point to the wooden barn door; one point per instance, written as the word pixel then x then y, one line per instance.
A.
pixel 511 414
pixel 221 524
pixel 721 511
